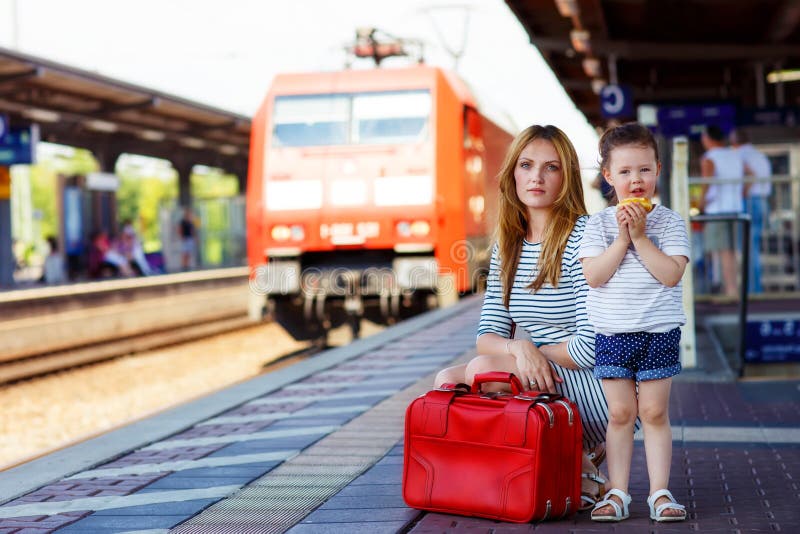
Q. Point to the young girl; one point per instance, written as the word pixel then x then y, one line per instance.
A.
pixel 633 260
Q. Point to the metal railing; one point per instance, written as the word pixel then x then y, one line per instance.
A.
pixel 776 261
pixel 744 221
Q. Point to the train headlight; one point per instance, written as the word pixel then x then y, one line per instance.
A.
pixel 420 228
pixel 298 232
pixel 281 232
pixel 403 229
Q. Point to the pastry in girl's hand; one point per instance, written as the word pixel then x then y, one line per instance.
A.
pixel 645 202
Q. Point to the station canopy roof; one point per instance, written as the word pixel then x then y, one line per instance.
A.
pixel 74 106
pixel 668 51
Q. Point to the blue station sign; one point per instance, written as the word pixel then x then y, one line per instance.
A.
pixel 16 146
pixel 616 101
pixel 690 120
pixel 773 341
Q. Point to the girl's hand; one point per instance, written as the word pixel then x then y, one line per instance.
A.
pixel 636 217
pixel 622 224
pixel 535 370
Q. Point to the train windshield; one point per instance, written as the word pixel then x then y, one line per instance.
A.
pixel 396 117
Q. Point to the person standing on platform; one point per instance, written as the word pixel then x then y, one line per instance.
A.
pixel 634 256
pixel 54 264
pixel 758 166
pixel 536 284
pixel 721 163
pixel 187 230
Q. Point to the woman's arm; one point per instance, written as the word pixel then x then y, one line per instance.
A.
pixel 530 361
pixel 559 354
pixel 495 345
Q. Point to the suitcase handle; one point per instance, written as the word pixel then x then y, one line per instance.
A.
pixel 460 388
pixel 497 376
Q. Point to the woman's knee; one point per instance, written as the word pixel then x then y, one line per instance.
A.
pixel 488 364
pixel 450 375
pixel 480 364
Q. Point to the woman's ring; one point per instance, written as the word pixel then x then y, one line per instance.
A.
pixel 532 383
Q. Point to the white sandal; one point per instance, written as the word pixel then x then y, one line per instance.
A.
pixel 656 513
pixel 620 512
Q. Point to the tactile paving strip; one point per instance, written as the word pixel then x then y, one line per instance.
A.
pixel 298 486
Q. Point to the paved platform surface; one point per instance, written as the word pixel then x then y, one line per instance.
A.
pixel 317 448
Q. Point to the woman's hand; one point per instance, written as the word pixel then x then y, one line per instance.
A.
pixel 534 367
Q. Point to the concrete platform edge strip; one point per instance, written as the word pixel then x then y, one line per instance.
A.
pixel 89 454
pixel 21 295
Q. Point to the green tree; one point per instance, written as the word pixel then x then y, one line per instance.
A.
pixel 146 186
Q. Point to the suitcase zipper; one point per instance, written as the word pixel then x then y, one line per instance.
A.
pixel 550 414
pixel 566 509
pixel 547 510
pixel 566 405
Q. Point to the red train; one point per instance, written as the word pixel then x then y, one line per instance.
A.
pixel 371 193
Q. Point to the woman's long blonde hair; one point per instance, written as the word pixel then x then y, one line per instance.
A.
pixel 513 214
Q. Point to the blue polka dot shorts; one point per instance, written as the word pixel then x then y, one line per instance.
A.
pixel 639 355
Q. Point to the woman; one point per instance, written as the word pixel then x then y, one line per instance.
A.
pixel 536 283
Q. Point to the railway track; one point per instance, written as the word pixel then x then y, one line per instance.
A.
pixel 62 360
pixel 86 401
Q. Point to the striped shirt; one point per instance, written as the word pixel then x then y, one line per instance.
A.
pixel 552 315
pixel 633 300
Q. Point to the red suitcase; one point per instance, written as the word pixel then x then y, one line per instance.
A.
pixel 513 457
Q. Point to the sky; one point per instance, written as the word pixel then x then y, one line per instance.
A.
pixel 225 53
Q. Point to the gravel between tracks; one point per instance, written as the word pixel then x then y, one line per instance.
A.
pixel 46 413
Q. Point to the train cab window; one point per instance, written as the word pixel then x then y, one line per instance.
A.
pixel 342 119
pixel 315 120
pixel 391 117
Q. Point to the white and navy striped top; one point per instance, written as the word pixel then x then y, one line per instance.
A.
pixel 633 300
pixel 552 315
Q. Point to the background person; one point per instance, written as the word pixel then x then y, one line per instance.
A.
pixel 633 261
pixel 536 281
pixel 100 253
pixel 187 231
pixel 757 165
pixel 130 246
pixel 721 162
pixel 54 272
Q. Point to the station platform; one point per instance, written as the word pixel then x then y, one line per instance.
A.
pixel 317 448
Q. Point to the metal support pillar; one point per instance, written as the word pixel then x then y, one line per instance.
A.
pixel 761 91
pixel 184 169
pixel 104 203
pixel 679 198
pixel 7 261
pixel 6 253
